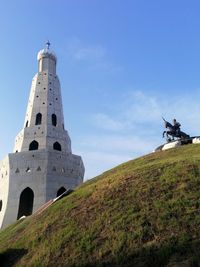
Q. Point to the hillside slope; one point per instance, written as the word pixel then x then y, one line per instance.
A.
pixel 145 212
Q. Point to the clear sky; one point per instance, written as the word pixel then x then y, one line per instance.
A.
pixel 122 65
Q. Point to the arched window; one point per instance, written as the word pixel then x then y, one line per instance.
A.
pixel 57 146
pixel 26 123
pixel 1 204
pixel 38 119
pixel 60 191
pixel 25 203
pixel 54 119
pixel 33 145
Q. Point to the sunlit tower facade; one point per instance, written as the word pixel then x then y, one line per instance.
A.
pixel 42 165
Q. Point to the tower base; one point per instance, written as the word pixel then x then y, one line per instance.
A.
pixel 29 179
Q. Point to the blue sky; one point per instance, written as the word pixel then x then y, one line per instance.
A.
pixel 122 65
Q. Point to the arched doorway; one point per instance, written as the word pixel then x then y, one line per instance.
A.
pixel 25 203
pixel 60 191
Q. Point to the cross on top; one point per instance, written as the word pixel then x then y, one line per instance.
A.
pixel 48 44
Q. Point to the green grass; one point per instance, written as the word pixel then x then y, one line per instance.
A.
pixel 145 212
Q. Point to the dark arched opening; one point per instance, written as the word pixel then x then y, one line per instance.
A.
pixel 38 119
pixel 60 191
pixel 25 203
pixel 26 124
pixel 33 145
pixel 57 146
pixel 54 119
pixel 1 204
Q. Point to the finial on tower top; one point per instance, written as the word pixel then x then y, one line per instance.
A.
pixel 48 44
pixel 46 52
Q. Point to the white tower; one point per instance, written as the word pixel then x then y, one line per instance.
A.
pixel 42 165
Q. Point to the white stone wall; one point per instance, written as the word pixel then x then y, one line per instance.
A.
pixel 43 172
pixel 45 98
pixel 4 186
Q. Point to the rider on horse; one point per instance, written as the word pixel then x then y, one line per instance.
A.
pixel 174 131
pixel 176 127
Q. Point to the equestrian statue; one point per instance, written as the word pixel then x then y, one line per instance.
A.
pixel 173 131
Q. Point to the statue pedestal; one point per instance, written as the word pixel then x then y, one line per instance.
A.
pixel 196 140
pixel 171 145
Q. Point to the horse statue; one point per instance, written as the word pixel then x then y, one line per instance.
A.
pixel 173 131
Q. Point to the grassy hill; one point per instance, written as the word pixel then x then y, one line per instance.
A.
pixel 145 212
